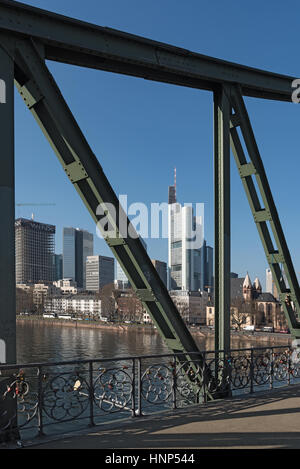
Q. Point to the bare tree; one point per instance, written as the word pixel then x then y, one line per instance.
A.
pixel 183 309
pixel 108 296
pixel 24 300
pixel 135 307
pixel 130 308
pixel 242 312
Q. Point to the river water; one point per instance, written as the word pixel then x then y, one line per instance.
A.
pixel 40 341
pixel 43 342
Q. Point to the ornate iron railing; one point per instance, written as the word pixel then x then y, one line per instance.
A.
pixel 40 398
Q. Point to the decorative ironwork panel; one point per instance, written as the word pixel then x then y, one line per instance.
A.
pixel 113 389
pixel 41 396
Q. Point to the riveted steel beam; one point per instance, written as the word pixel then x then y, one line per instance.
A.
pixel 264 211
pixel 79 43
pixel 7 203
pixel 8 405
pixel 222 218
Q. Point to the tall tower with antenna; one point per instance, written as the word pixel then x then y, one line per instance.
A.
pixel 175 183
pixel 185 270
pixel 172 191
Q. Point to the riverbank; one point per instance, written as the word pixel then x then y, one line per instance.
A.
pixel 198 331
pixel 87 324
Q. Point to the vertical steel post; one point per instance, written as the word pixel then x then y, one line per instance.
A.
pixel 7 204
pixel 174 382
pixel 222 218
pixel 252 371
pixel 133 391
pixel 272 369
pixel 139 389
pixel 204 379
pixel 91 393
pixel 40 401
pixel 8 407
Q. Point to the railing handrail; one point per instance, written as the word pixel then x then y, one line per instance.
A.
pixel 50 394
pixel 5 366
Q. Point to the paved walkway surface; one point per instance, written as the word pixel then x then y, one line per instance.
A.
pixel 263 420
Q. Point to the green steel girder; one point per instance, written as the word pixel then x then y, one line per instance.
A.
pixel 264 210
pixel 222 219
pixel 79 43
pixel 42 96
pixel 39 35
pixel 7 203
pixel 28 37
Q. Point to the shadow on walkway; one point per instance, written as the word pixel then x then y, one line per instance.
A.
pixel 262 420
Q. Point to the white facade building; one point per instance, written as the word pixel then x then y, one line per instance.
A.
pixel 87 305
pixel 66 286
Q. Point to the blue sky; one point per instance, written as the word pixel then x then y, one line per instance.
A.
pixel 141 130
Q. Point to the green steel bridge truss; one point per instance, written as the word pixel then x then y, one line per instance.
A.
pixel 30 36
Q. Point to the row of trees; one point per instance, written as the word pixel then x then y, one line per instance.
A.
pixel 118 305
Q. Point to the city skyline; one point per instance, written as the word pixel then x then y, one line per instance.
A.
pixel 207 271
pixel 173 163
pixel 175 122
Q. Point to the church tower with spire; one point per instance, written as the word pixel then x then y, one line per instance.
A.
pixel 257 289
pixel 247 288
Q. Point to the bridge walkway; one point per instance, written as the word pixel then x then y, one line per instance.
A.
pixel 268 419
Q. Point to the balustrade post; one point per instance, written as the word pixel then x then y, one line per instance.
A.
pixel 252 372
pixel 40 401
pixel 272 370
pixel 174 383
pixel 289 367
pixel 133 412
pixel 139 393
pixel 91 393
pixel 204 378
pixel 228 372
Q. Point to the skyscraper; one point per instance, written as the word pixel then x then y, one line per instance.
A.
pixel 185 265
pixel 207 267
pixel 121 278
pixel 87 250
pixel 77 245
pixel 270 284
pixel 269 281
pixel 99 272
pixel 34 243
pixel 161 268
pixel 58 266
